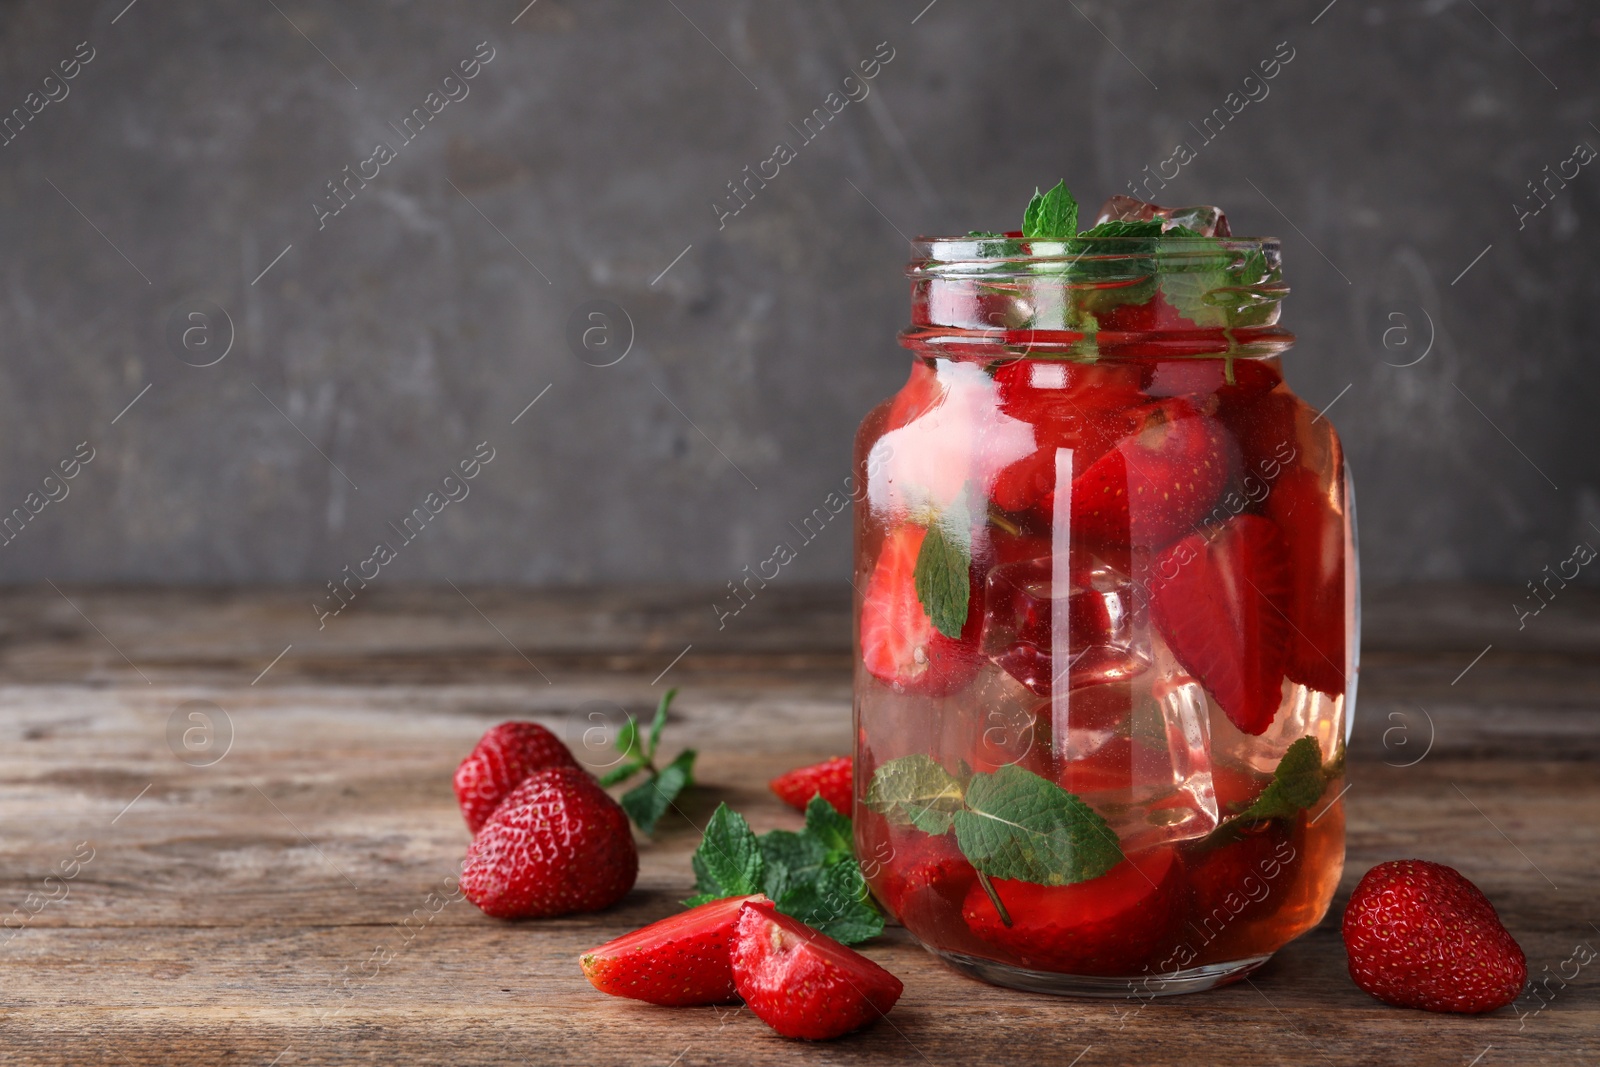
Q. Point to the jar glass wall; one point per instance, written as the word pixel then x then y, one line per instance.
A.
pixel 1105 618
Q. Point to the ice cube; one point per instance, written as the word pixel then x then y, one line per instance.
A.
pixel 1202 219
pixel 1151 778
pixel 1006 723
pixel 1019 624
pixel 1303 712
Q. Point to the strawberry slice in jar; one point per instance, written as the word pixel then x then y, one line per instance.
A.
pixel 1068 405
pixel 900 646
pixel 1118 924
pixel 1313 529
pixel 1157 483
pixel 1219 604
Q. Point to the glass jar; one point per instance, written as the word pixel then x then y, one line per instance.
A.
pixel 1106 618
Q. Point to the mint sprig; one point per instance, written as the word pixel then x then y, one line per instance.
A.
pixel 811 875
pixel 646 803
pixel 1051 216
pixel 1297 783
pixel 940 576
pixel 1009 824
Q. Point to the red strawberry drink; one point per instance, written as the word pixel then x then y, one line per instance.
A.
pixel 1105 577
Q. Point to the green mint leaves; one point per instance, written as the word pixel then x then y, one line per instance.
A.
pixel 940 576
pixel 1129 229
pixel 1018 825
pixel 1297 784
pixel 728 862
pixel 917 791
pixel 811 875
pixel 1009 824
pixel 645 804
pixel 1051 216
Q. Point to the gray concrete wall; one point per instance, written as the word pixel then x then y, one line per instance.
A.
pixel 584 160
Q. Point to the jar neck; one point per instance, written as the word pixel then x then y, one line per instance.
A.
pixel 1096 298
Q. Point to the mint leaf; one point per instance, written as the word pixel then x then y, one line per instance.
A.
pixel 811 875
pixel 1051 216
pixel 1194 266
pixel 789 860
pixel 621 772
pixel 940 576
pixel 1297 784
pixel 728 862
pixel 1018 825
pixel 916 790
pixel 1126 228
pixel 836 903
pixel 645 804
pixel 829 829
pixel 633 760
pixel 628 738
pixel 659 722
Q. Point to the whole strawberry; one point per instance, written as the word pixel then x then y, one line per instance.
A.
pixel 502 759
pixel 1419 935
pixel 831 778
pixel 557 844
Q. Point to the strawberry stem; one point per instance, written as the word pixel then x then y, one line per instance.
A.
pixel 994 898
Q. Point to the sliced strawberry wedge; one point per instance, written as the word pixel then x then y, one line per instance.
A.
pixel 899 644
pixel 1220 607
pixel 683 959
pixel 1112 925
pixel 803 983
pixel 1314 533
pixel 1068 406
pixel 1157 484
pixel 1250 874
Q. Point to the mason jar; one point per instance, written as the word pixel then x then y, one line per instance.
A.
pixel 1106 617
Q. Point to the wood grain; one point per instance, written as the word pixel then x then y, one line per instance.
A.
pixel 250 911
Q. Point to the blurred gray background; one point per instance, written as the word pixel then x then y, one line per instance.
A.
pixel 1393 153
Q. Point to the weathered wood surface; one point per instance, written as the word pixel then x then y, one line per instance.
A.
pixel 250 911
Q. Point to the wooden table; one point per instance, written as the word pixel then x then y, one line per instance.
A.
pixel 249 908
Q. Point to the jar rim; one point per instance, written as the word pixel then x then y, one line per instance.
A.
pixel 1199 295
pixel 1089 259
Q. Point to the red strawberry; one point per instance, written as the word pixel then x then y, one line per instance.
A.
pixel 1043 391
pixel 1068 406
pixel 919 394
pixel 1268 427
pixel 1111 925
pixel 1200 379
pixel 557 844
pixel 683 959
pixel 1157 484
pixel 1313 530
pixel 831 778
pixel 1220 607
pixel 1248 875
pixel 1139 317
pixel 924 880
pixel 803 983
pixel 502 759
pixel 1419 935
pixel 899 644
